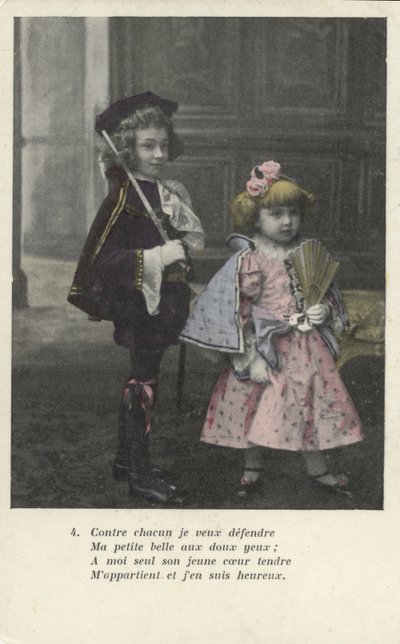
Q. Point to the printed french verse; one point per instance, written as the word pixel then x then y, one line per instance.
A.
pixel 183 555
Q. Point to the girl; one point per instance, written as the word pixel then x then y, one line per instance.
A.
pixel 132 269
pixel 282 389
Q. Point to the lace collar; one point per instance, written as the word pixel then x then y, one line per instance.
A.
pixel 274 249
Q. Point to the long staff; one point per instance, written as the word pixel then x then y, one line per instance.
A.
pixel 157 223
pixel 138 189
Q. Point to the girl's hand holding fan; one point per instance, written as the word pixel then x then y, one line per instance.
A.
pixel 315 271
pixel 318 313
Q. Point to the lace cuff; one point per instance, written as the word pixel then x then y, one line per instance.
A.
pixel 151 280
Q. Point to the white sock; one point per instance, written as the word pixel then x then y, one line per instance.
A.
pixel 252 464
pixel 318 469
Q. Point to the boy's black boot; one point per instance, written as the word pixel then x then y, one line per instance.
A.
pixel 144 480
pixel 120 467
pixel 130 414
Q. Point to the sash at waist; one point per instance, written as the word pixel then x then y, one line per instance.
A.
pixel 175 276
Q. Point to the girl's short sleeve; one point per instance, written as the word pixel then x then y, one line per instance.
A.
pixel 250 277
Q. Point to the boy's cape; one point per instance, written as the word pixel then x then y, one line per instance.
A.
pixel 214 319
pixel 82 293
pixel 176 204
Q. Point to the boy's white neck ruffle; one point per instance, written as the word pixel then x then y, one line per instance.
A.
pixel 175 202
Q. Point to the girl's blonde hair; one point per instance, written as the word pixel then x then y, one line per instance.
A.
pixel 124 138
pixel 244 209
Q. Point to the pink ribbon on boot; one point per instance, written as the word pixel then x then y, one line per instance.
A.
pixel 146 397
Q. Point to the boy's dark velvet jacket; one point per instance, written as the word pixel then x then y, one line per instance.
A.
pixel 107 283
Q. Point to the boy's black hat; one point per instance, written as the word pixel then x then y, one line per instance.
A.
pixel 111 118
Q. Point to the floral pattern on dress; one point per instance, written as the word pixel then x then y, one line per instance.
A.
pixel 305 406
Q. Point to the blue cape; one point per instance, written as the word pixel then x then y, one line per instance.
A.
pixel 214 319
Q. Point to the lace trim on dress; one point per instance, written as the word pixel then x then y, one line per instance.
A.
pixel 279 252
pixel 294 286
pixel 274 249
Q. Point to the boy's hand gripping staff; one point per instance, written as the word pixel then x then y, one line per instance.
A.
pixel 138 189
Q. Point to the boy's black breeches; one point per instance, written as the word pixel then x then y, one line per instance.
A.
pixel 145 364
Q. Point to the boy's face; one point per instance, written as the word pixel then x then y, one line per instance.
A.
pixel 151 151
pixel 280 223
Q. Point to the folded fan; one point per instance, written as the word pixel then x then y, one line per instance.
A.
pixel 315 270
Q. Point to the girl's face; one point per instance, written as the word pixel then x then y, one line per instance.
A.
pixel 280 223
pixel 151 151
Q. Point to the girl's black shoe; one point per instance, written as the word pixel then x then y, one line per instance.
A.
pixel 246 487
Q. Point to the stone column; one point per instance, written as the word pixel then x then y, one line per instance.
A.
pixel 97 98
pixel 61 82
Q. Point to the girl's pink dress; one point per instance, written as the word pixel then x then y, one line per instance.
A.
pixel 305 406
